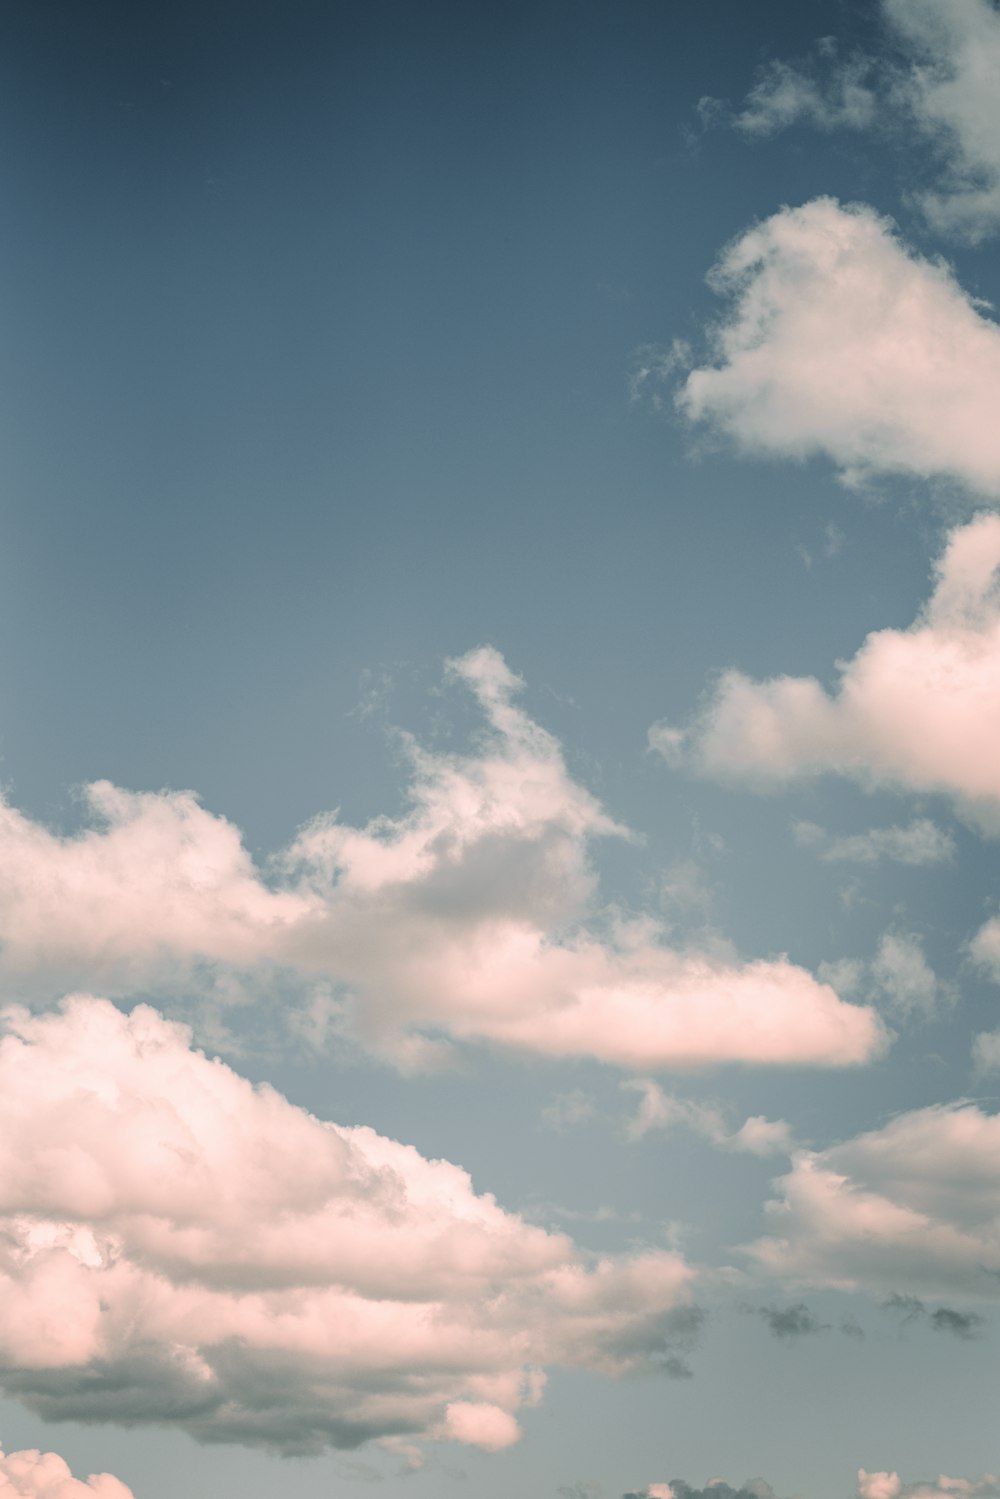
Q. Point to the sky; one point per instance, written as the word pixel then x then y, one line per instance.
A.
pixel 499 744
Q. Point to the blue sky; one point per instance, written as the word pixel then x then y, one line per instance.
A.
pixel 500 504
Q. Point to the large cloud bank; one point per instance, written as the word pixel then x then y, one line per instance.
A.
pixel 913 1207
pixel 472 915
pixel 839 341
pixel 179 1246
pixel 44 1475
pixel 915 709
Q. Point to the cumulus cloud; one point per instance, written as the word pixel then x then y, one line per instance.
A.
pixel 44 1475
pixel 914 709
pixel 179 1246
pixel 921 842
pixel 839 341
pixel 471 916
pixel 661 1111
pixel 912 1208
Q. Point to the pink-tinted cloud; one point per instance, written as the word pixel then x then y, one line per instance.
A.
pixel 913 1207
pixel 177 1245
pixel 45 1475
pixel 473 915
pixel 891 1486
pixel 840 341
pixel 915 709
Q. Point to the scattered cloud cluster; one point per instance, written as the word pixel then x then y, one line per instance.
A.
pixel 470 917
pixel 911 1309
pixel 840 341
pixel 943 81
pixel 952 91
pixel 870 1486
pixel 914 710
pixel 891 1486
pixel 44 1475
pixel 177 1245
pixel 716 1488
pixel 912 1208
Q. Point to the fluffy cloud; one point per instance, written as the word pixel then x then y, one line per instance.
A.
pixel 177 1245
pixel 44 1475
pixel 915 709
pixel 911 1207
pixel 921 842
pixel 839 341
pixel 471 916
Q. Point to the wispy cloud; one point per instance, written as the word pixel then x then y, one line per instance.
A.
pixel 920 842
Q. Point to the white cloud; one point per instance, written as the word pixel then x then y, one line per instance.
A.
pixel 472 916
pixel 952 91
pixel 921 842
pixel 912 1207
pixel 659 1110
pixel 905 979
pixel 839 341
pixel 826 93
pixel 986 1051
pixel 891 1486
pixel 177 1245
pixel 942 78
pixel 915 709
pixel 985 947
pixel 31 1474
